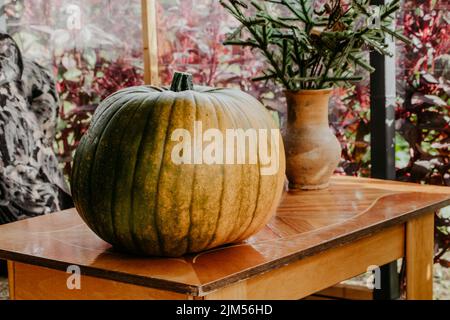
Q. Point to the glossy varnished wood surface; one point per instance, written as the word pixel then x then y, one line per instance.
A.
pixel 39 283
pixel 306 223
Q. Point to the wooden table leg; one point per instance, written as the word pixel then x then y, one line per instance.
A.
pixel 312 274
pixel 11 283
pixel 419 257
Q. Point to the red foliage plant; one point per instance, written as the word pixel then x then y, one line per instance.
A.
pixel 349 118
pixel 190 40
pixel 82 94
pixel 423 116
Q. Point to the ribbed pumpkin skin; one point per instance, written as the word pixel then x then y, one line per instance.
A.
pixel 131 194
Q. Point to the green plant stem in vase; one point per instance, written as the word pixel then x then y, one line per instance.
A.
pixel 311 47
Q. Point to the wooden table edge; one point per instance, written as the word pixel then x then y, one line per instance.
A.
pixel 204 289
pixel 153 283
pixel 339 241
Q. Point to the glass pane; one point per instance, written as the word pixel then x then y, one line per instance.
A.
pixel 191 33
pixel 93 47
pixel 423 82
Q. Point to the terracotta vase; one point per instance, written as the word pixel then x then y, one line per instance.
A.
pixel 312 150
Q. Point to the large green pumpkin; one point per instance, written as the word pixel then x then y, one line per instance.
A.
pixel 132 194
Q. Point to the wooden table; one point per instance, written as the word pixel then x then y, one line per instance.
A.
pixel 317 239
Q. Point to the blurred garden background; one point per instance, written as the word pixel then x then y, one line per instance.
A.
pixel 94 47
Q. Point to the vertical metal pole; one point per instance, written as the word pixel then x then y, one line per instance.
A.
pixel 382 109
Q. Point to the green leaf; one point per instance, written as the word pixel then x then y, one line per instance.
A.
pixel 337 79
pixel 265 77
pixel 248 43
pixel 377 46
pixel 362 63
pixel 396 34
pixel 72 75
pixel 91 57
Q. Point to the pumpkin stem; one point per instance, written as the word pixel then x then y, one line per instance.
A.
pixel 182 81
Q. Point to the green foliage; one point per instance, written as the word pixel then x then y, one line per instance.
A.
pixel 313 48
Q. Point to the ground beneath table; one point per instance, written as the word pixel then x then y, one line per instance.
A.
pixel 442 282
pixel 3 288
